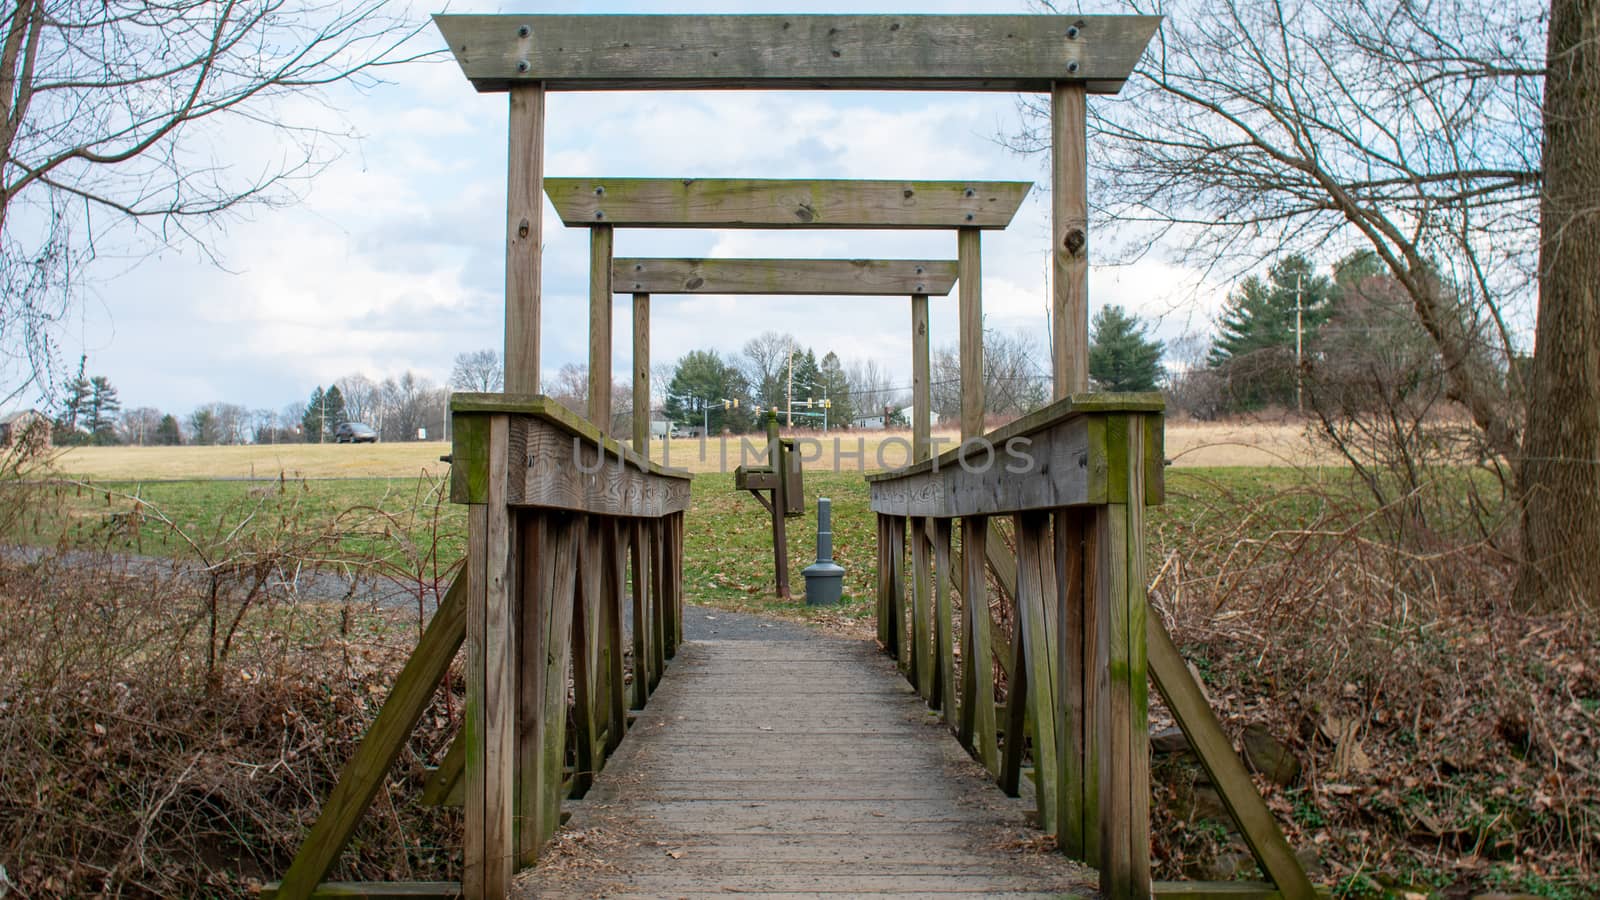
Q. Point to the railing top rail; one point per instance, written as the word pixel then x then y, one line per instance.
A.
pixel 787 277
pixel 1040 420
pixel 548 410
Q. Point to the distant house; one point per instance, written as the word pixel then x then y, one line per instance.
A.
pixel 27 428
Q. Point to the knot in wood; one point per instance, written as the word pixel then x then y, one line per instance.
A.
pixel 1075 241
pixel 522 228
pixel 805 213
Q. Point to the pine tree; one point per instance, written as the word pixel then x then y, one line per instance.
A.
pixel 167 433
pixel 100 413
pixel 333 399
pixel 1255 344
pixel 311 422
pixel 1121 356
pixel 76 397
pixel 834 385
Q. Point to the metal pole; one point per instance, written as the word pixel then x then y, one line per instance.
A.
pixel 790 394
pixel 1299 399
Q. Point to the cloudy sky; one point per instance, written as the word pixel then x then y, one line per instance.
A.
pixel 394 259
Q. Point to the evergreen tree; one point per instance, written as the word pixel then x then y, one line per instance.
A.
pixel 75 398
pixel 1254 348
pixel 167 433
pixel 333 399
pixel 100 413
pixel 311 422
pixel 203 422
pixel 835 386
pixel 1122 357
pixel 704 377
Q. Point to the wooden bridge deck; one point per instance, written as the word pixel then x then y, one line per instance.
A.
pixel 795 768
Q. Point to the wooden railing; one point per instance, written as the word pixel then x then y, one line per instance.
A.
pixel 1075 478
pixel 570 536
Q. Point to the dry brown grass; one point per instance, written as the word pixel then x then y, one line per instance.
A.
pixel 1188 444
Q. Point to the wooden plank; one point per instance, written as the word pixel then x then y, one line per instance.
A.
pixel 1188 706
pixel 921 385
pixel 1137 605
pixel 1016 713
pixel 880 607
pixel 1094 679
pixel 778 461
pixel 1116 791
pixel 536 583
pixel 777 52
pixel 1070 679
pixel 444 781
pixel 789 277
pixel 474 727
pixel 643 653
pixel 977 673
pixel 586 657
pixel 675 596
pixel 552 413
pixel 524 237
pixel 565 532
pixel 970 313
pixel 1035 590
pixel 784 203
pixel 616 579
pixel 561 471
pixel 499 674
pixel 601 239
pixel 642 410
pixel 372 890
pixel 922 667
pixel 1043 471
pixel 1040 420
pixel 658 599
pixel 943 626
pixel 364 774
pixel 897 590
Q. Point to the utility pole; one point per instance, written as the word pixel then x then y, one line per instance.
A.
pixel 1299 398
pixel 790 394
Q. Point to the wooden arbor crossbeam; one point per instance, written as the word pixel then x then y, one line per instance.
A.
pixel 794 277
pixel 784 203
pixel 855 52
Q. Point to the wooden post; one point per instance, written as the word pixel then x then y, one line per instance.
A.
pixel 524 211
pixel 641 378
pixel 977 669
pixel 586 655
pixel 1073 823
pixel 921 616
pixel 616 579
pixel 1069 227
pixel 780 502
pixel 968 249
pixel 921 387
pixel 1123 730
pixel 1036 593
pixel 897 591
pixel 600 242
pixel 943 631
pixel 490 721
pixel 643 652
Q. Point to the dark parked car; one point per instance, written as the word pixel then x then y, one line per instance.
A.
pixel 355 433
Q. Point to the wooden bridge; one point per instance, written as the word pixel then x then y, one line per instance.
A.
pixel 816 767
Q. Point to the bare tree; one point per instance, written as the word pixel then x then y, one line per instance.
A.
pixel 362 398
pixel 1410 129
pixel 480 370
pixel 111 123
pixel 1015 376
pixel 765 362
pixel 1561 462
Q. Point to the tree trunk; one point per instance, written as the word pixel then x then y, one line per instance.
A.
pixel 1561 452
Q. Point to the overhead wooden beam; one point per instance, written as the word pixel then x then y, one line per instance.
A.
pixel 784 203
pixel 834 277
pixel 852 52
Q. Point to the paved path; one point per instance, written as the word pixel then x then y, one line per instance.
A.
pixel 795 768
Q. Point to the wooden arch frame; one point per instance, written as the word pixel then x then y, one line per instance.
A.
pixel 1066 56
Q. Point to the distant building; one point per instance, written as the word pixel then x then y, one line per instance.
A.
pixel 27 428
